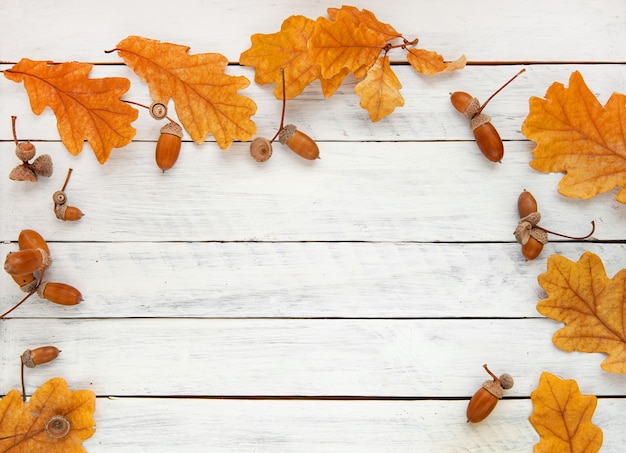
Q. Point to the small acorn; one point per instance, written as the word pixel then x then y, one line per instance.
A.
pixel 299 142
pixel 485 399
pixel 261 149
pixel 26 262
pixel 42 165
pixel 59 293
pixel 61 210
pixel 38 356
pixel 168 145
pixel 22 173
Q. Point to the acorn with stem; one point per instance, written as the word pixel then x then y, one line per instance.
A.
pixel 289 135
pixel 25 151
pixel 61 209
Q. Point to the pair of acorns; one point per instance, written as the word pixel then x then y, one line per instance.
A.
pixel 25 151
pixel 27 267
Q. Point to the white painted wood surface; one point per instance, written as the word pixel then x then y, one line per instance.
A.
pixel 345 304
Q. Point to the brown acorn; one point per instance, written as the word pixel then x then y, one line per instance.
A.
pixel 59 293
pixel 168 145
pixel 26 282
pixel 486 398
pixel 30 239
pixel 68 213
pixel 26 262
pixel 43 354
pixel 22 173
pixel 299 142
pixel 42 165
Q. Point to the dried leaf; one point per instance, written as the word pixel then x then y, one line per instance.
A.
pixel 562 417
pixel 23 425
pixel 590 304
pixel 341 43
pixel 286 49
pixel 85 108
pixel 206 98
pixel 380 90
pixel 430 63
pixel 576 135
pixel 368 18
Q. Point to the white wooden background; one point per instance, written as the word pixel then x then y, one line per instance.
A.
pixel 345 304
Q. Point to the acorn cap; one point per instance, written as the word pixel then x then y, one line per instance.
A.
pixel 261 149
pixel 25 151
pixel 286 133
pixel 172 128
pixel 42 165
pixel 23 173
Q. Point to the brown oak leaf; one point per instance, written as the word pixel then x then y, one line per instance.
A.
pixel 430 63
pixel 590 304
pixel 562 417
pixel 55 420
pixel 206 98
pixel 380 90
pixel 85 108
pixel 576 135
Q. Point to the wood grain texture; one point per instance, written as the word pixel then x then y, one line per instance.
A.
pixel 340 305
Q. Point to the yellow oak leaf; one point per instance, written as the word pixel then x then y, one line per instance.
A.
pixel 576 135
pixel 368 18
pixel 286 49
pixel 55 420
pixel 562 417
pixel 342 43
pixel 590 304
pixel 380 90
pixel 85 108
pixel 430 63
pixel 206 98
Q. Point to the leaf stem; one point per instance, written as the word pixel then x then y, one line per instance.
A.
pixel 498 90
pixel 67 179
pixel 593 229
pixel 13 119
pixel 19 303
pixel 22 377
pixel 490 373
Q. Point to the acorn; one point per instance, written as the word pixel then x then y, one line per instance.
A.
pixel 43 354
pixel 68 213
pixel 22 173
pixel 168 145
pixel 261 149
pixel 26 282
pixel 27 261
pixel 42 165
pixel 59 293
pixel 299 142
pixel 30 239
pixel 486 398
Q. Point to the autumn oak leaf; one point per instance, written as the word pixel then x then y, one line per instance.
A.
pixel 562 417
pixel 343 44
pixel 287 49
pixel 430 63
pixel 591 305
pixel 576 135
pixel 206 98
pixel 368 18
pixel 380 90
pixel 55 420
pixel 85 108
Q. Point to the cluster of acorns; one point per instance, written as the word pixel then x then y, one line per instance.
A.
pixel 28 171
pixel 27 267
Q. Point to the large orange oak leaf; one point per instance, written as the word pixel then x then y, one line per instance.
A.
pixel 380 90
pixel 343 44
pixel 85 108
pixel 206 98
pixel 576 135
pixel 288 50
pixel 23 425
pixel 592 306
pixel 430 63
pixel 562 417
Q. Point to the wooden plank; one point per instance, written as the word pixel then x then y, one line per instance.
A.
pixel 494 31
pixel 427 114
pixel 423 192
pixel 298 280
pixel 273 357
pixel 165 425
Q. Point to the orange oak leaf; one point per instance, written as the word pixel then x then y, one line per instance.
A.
pixel 85 108
pixel 380 90
pixel 590 304
pixel 206 98
pixel 342 43
pixel 55 420
pixel 429 62
pixel 576 135
pixel 287 49
pixel 562 417
pixel 368 18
